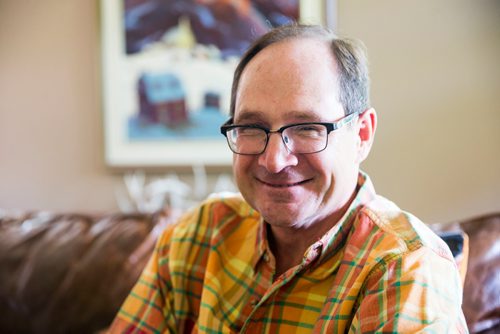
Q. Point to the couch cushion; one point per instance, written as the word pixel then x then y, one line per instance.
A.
pixel 481 303
pixel 69 273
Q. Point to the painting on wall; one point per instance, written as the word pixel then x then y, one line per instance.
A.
pixel 167 73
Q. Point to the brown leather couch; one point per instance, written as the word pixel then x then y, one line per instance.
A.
pixel 481 303
pixel 69 273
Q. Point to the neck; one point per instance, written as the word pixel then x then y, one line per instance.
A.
pixel 289 244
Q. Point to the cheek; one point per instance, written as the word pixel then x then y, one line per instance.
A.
pixel 346 147
pixel 336 163
pixel 346 165
pixel 243 178
pixel 241 167
pixel 323 167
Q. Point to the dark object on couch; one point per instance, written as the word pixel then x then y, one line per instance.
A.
pixel 454 240
pixel 69 273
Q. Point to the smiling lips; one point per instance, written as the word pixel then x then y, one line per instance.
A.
pixel 282 184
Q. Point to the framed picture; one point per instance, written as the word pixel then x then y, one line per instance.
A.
pixel 167 72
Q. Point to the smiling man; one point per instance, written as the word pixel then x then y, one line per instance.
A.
pixel 308 247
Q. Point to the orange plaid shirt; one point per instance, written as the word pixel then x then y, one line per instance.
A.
pixel 378 269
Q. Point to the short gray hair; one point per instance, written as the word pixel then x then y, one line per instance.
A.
pixel 350 55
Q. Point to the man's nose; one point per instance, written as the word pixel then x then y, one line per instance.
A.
pixel 277 156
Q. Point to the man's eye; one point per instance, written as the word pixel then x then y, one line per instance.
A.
pixel 308 130
pixel 249 131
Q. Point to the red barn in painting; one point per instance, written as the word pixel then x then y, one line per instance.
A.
pixel 162 99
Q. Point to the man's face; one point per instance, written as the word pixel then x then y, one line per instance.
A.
pixel 291 82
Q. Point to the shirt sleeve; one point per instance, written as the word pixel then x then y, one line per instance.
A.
pixel 419 291
pixel 148 307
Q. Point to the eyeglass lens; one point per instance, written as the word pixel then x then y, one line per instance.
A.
pixel 303 138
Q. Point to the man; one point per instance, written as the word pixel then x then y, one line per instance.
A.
pixel 310 248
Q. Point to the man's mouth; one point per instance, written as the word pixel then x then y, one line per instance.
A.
pixel 282 184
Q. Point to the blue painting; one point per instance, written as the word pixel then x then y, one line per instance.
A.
pixel 181 55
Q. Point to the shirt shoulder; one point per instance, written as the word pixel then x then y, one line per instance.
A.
pixel 408 266
pixel 212 218
pixel 402 231
pixel 230 202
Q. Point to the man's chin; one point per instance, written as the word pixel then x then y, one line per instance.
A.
pixel 282 216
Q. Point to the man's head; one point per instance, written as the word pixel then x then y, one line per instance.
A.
pixel 301 177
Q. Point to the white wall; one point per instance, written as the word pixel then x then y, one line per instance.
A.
pixel 51 152
pixel 435 80
pixel 436 85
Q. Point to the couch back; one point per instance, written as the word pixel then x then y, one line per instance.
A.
pixel 69 273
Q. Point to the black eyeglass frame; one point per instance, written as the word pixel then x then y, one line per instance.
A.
pixel 330 126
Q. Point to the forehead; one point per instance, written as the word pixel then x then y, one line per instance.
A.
pixel 297 76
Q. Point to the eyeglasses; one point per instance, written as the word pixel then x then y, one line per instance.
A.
pixel 299 138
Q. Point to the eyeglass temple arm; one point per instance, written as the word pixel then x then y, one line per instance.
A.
pixel 344 121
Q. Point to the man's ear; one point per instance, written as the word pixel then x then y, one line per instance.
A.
pixel 367 125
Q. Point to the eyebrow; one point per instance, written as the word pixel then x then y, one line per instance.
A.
pixel 248 116
pixel 252 116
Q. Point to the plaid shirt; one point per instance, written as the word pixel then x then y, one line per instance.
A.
pixel 377 270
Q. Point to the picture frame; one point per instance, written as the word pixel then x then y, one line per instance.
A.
pixel 152 118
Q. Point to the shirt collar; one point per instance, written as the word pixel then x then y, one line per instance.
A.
pixel 262 245
pixel 331 240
